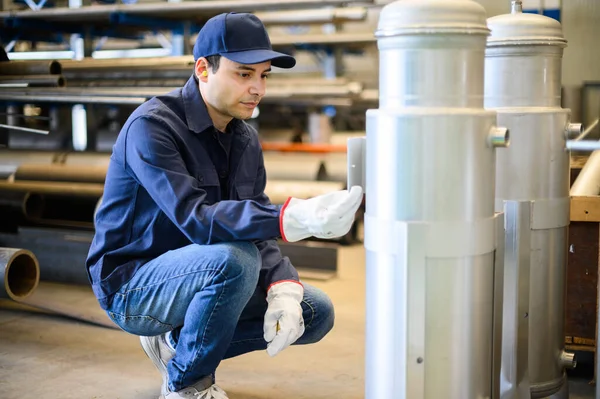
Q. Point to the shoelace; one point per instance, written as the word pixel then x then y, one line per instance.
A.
pixel 214 392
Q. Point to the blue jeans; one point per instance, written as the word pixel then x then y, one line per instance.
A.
pixel 208 296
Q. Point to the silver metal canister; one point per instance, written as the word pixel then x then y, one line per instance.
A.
pixel 430 228
pixel 523 85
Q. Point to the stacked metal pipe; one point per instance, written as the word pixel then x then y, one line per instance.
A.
pixel 62 189
pixel 31 73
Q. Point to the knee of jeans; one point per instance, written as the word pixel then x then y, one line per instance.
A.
pixel 242 263
pixel 324 317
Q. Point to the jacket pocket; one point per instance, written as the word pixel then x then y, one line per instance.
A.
pixel 245 190
pixel 208 180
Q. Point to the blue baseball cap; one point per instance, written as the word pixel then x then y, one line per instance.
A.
pixel 240 37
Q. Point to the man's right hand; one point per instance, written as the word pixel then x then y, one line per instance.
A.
pixel 326 216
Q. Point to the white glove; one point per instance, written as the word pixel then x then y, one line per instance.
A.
pixel 284 323
pixel 326 216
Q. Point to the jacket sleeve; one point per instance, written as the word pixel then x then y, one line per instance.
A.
pixel 152 158
pixel 275 266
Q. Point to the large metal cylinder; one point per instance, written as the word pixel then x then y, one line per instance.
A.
pixel 523 84
pixel 430 226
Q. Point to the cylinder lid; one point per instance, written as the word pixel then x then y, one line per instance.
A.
pixel 519 28
pixel 409 17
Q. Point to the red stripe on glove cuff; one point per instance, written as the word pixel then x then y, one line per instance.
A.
pixel 281 219
pixel 285 281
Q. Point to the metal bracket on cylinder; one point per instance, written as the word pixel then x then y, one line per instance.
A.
pixel 515 322
pixel 498 307
pixel 357 152
pixel 499 137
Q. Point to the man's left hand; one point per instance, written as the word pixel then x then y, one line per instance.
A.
pixel 284 323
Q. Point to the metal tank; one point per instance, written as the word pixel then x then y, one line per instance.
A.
pixel 430 227
pixel 523 84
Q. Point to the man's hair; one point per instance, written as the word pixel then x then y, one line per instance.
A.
pixel 213 62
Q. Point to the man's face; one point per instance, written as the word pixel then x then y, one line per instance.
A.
pixel 235 90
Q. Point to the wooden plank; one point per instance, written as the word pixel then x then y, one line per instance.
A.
pixel 583 348
pixel 585 209
pixel 582 280
pixel 580 341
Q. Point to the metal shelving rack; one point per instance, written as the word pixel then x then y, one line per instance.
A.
pixel 81 26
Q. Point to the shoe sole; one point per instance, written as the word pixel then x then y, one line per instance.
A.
pixel 153 353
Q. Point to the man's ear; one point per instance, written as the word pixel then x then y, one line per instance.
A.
pixel 201 69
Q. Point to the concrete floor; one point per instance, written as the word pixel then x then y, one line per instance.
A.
pixel 44 356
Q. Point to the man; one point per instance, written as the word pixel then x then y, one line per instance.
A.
pixel 185 251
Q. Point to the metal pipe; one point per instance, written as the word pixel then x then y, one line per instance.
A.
pixel 588 130
pixel 20 273
pixel 30 67
pixel 584 145
pixel 33 80
pixel 140 95
pixel 70 98
pixel 61 173
pixel 23 129
pixel 349 39
pixel 91 65
pixel 14 205
pixel 141 73
pixel 71 189
pixel 587 182
pixel 61 210
pixel 315 16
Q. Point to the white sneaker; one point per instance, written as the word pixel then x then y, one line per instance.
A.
pixel 212 392
pixel 160 352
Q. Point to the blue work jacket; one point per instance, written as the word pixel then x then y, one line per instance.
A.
pixel 171 182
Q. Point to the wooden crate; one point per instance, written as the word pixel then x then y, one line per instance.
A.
pixel 581 307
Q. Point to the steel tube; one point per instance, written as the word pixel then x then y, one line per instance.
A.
pixel 20 273
pixel 61 173
pixel 91 65
pixel 30 68
pixel 40 187
pixel 60 98
pixel 588 180
pixel 23 129
pixel 136 95
pixel 316 16
pixel 33 80
pixel 583 145
pixel 14 205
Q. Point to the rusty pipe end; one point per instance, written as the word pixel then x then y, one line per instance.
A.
pixel 21 272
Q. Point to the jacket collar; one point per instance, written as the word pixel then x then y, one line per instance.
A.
pixel 196 113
